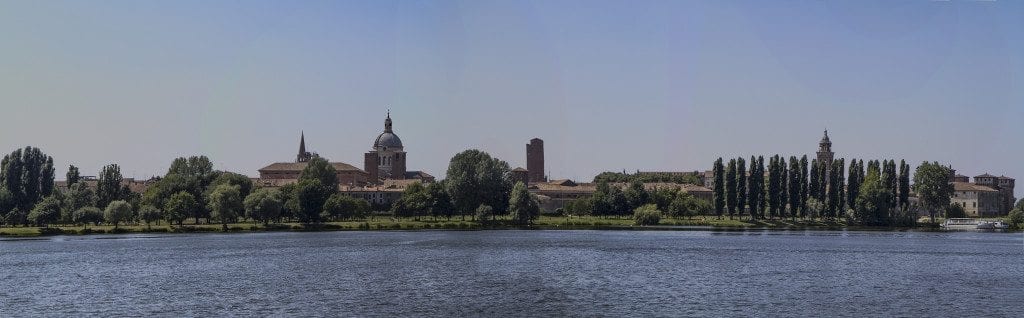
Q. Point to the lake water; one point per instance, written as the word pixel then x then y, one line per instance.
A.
pixel 516 273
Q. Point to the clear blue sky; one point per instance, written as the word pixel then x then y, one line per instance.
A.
pixel 649 85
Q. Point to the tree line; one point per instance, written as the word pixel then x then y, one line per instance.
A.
pixel 876 193
pixel 191 189
pixel 650 177
pixel 609 200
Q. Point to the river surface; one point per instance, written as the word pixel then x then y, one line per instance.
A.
pixel 516 273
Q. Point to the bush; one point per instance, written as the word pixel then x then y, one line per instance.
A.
pixel 647 215
pixel 1016 219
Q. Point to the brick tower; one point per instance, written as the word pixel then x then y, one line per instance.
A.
pixel 535 160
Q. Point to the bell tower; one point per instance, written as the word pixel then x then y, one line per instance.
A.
pixel 825 155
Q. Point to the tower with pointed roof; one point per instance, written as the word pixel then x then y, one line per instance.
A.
pixel 303 156
pixel 825 155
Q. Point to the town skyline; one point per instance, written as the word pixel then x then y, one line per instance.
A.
pixel 93 86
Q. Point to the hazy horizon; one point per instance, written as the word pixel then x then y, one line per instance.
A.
pixel 608 85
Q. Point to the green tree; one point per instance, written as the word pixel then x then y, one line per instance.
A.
pixel 149 214
pixel 741 185
pixel 853 184
pixel 16 216
pixel 636 195
pixel 524 207
pixel 600 199
pixel 108 187
pixel 193 175
pixel 244 184
pixel 955 211
pixel 225 204
pixel 1016 218
pixel 319 169
pixel 719 191
pixel 813 182
pixel 263 205
pixel 872 202
pixel 814 207
pixel 617 202
pixel 730 187
pixel 475 178
pixel 79 195
pixel 73 176
pixel 87 215
pixel 27 174
pixel 755 187
pixel 440 202
pixel 483 213
pixel 931 182
pixel 46 212
pixel 179 207
pixel 904 184
pixel 647 215
pixel 803 186
pixel 762 197
pixel 414 202
pixel 774 185
pixel 794 187
pixel 311 194
pixel 117 212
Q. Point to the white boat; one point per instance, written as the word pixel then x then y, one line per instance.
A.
pixel 972 224
pixel 992 225
pixel 960 224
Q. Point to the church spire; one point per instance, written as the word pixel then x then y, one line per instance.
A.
pixel 303 155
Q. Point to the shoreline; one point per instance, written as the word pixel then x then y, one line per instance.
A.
pixel 546 223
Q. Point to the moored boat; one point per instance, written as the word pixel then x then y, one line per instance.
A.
pixel 960 224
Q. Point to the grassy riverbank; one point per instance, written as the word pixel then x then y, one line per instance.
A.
pixel 385 223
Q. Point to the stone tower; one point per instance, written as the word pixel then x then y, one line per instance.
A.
pixel 825 155
pixel 535 160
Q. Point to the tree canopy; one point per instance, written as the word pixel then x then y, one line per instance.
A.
pixel 475 178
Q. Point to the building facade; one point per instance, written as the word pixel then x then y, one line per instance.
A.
pixel 977 200
pixel 1004 185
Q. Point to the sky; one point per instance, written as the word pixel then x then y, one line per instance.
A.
pixel 608 85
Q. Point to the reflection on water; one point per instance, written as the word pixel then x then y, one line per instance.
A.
pixel 517 273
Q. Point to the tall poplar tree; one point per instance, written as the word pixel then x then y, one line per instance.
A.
pixel 753 191
pixel 741 185
pixel 814 185
pixel 904 182
pixel 794 187
pixel 803 186
pixel 762 196
pixel 839 182
pixel 719 171
pixel 773 186
pixel 782 186
pixel 730 187
pixel 852 184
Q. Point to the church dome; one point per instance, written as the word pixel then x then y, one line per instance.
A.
pixel 388 140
